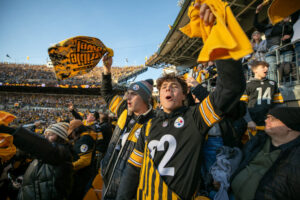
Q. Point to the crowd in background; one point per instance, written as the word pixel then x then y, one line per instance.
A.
pixel 49 100
pixel 270 43
pixel 270 157
pixel 41 74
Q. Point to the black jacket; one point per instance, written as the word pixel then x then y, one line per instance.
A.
pixel 50 175
pixel 83 161
pixel 229 135
pixel 275 32
pixel 106 130
pixel 282 180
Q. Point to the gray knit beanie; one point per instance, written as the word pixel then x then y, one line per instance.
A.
pixel 60 129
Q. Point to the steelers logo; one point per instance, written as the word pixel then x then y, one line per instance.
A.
pixel 84 148
pixel 179 122
pixel 136 87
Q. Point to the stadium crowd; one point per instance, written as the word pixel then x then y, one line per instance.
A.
pixel 238 141
pixel 49 100
pixel 41 74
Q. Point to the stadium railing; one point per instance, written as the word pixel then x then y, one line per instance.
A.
pixel 284 77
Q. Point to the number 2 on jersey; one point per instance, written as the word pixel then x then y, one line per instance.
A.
pixel 266 96
pixel 156 145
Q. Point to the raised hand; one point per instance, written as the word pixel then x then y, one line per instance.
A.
pixel 107 62
pixel 205 13
pixel 191 82
pixel 70 106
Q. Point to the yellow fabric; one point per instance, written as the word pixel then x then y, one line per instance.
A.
pixel 207 112
pixel 202 198
pixel 91 133
pixel 87 123
pixel 95 192
pixel 277 98
pixel 155 104
pixel 7 148
pixel 122 119
pixel 6 118
pixel 91 195
pixel 245 98
pixel 81 114
pixel 185 76
pixel 199 78
pixel 149 123
pixel 99 136
pixel 148 180
pixel 280 9
pixel 115 104
pixel 76 56
pixel 246 136
pixel 224 40
pixel 84 161
pixel 136 158
pixel 131 136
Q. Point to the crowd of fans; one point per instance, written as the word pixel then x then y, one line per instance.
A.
pixel 236 142
pixel 49 100
pixel 41 74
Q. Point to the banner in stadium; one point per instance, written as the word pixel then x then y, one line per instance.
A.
pixel 76 56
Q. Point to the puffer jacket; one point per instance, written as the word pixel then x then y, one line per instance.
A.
pixel 50 175
pixel 282 180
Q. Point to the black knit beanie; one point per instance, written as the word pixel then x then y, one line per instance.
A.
pixel 290 116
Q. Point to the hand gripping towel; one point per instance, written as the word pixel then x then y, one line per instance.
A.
pixel 223 40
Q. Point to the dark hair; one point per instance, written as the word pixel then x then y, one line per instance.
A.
pixel 172 77
pixel 256 63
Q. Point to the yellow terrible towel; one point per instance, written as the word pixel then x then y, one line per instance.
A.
pixel 7 148
pixel 224 40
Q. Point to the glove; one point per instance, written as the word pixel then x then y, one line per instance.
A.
pixel 6 129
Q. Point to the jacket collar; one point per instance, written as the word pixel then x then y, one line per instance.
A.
pixel 290 144
pixel 143 117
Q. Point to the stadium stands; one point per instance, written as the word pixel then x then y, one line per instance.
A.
pixel 43 76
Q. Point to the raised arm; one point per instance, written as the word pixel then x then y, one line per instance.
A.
pixel 116 103
pixel 36 145
pixel 75 114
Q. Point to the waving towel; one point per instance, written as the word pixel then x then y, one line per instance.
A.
pixel 223 40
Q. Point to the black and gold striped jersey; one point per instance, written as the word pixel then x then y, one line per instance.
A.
pixel 261 95
pixel 174 145
pixel 152 185
pixel 167 157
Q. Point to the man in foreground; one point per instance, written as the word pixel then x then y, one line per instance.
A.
pixel 270 168
pixel 133 111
